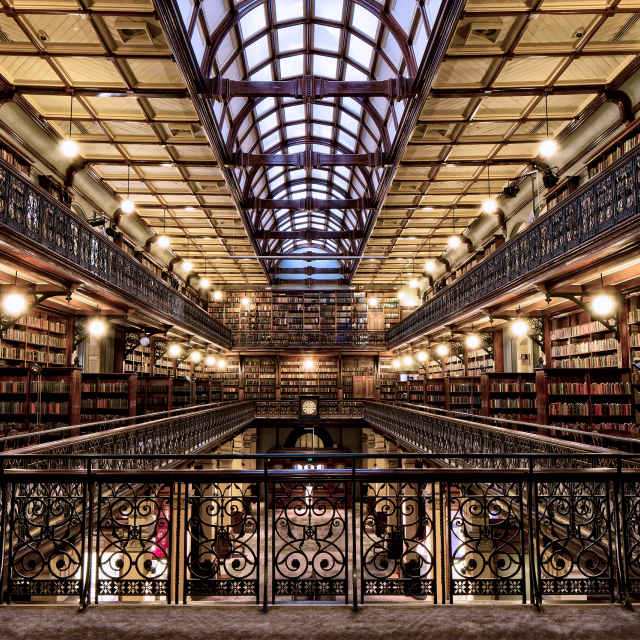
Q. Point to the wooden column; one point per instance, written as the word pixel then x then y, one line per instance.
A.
pixel 118 349
pixel 546 336
pixel 498 352
pixel 623 311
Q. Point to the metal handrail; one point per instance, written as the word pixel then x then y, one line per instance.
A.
pixel 87 425
pixel 528 425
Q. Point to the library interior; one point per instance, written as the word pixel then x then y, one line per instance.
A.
pixel 320 302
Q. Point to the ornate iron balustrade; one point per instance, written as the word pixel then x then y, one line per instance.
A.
pixel 449 436
pixel 32 212
pixel 326 408
pixel 443 535
pixel 605 203
pixel 244 339
pixel 173 435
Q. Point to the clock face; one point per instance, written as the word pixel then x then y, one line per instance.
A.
pixel 309 407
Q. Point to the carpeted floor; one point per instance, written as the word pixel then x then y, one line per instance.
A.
pixel 319 622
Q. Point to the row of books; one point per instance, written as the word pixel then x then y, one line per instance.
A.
pixel 105 387
pixel 586 363
pixel 585 347
pixel 577 330
pixel 513 387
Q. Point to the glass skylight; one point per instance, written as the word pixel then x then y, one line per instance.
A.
pixel 324 66
pixel 257 52
pixel 289 9
pixel 291 38
pixel 364 21
pixel 326 38
pixel 322 112
pixel 291 66
pixel 360 51
pixel 294 113
pixel 329 9
pixel 322 131
pixel 253 22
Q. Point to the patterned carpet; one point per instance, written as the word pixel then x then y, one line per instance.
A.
pixel 318 622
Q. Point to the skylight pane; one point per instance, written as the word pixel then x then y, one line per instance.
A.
pixel 326 38
pixel 346 140
pixel 290 38
pixel 296 148
pixel 265 74
pixel 364 21
pixel 257 52
pixel 268 123
pixel 295 131
pixel 321 148
pixel 343 171
pixel 297 175
pixel 291 66
pixel 360 51
pixel 324 66
pixel 322 131
pixel 274 172
pixel 339 182
pixel 320 112
pixel 320 175
pixel 253 22
pixel 288 9
pixel 352 105
pixel 329 9
pixel 353 74
pixel 277 183
pixel 273 139
pixel 294 113
pixel 264 106
pixel 349 123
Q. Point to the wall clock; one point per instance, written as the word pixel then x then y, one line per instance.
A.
pixel 309 407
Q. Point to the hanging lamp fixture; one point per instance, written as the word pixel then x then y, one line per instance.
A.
pixel 548 146
pixel 489 205
pixel 127 206
pixel 163 240
pixel 68 147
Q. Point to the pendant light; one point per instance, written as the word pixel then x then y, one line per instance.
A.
pixel 204 282
pixel 430 265
pixel 127 206
pixel 163 241
pixel 548 146
pixel 519 327
pixel 413 283
pixel 454 241
pixel 69 148
pixel 473 342
pixel 14 303
pixel 603 304
pixel 489 205
pixel 97 327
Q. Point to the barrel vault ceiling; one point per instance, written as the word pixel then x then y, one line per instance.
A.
pixel 133 115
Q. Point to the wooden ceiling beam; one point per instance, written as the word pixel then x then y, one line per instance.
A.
pixel 308 159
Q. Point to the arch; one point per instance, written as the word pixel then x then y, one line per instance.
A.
pixel 517 228
pixel 320 432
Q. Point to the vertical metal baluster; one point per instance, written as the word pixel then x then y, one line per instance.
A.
pixel 266 536
pixel 87 512
pixel 621 538
pixel 3 528
pixel 532 587
pixel 353 527
pixel 522 545
pixel 443 568
pixel 177 514
pixel 258 546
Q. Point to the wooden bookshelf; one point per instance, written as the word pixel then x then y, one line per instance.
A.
pixel 387 377
pixel 606 155
pixel 511 396
pixel 565 187
pixel 106 396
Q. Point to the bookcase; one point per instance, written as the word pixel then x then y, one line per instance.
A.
pixel 307 311
pixel 511 396
pixel 202 392
pixel 579 342
pixel 626 140
pixel 352 367
pixel 565 187
pixel 139 360
pixel 435 393
pixel 478 362
pixel 387 378
pixel 41 337
pixel 463 394
pixel 105 396
pixel 402 387
pixel 158 395
pixel 182 391
pixel 591 400
pixel 226 381
pixel 268 378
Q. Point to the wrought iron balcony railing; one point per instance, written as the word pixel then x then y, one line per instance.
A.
pixel 342 339
pixel 396 529
pixel 326 408
pixel 603 204
pixel 33 213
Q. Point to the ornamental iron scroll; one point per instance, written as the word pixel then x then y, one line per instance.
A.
pixel 309 539
pixel 29 210
pixel 607 200
pixel 397 539
pixel 222 533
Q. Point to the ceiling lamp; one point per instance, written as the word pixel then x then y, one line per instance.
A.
pixel 407 360
pixel 14 303
pixel 144 341
pixel 401 295
pixel 430 266
pixel 126 205
pixel 195 356
pixel 548 146
pixel 489 205
pixel 69 148
pixel 603 304
pixel 174 350
pixel 163 241
pixel 96 328
pixel 413 283
pixel 473 342
pixel 187 266
pixel 245 302
pixel 222 364
pixel 519 327
pixel 204 283
pixel 217 295
pixel 454 242
pixel 373 302
pixel 210 361
pixel 442 350
pixel 422 356
pixel 308 364
pixel 396 364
